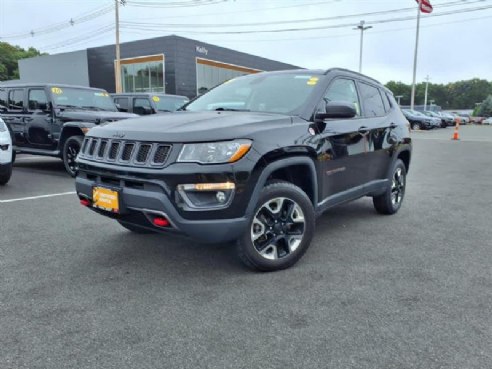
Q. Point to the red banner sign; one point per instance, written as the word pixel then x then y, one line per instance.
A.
pixel 425 6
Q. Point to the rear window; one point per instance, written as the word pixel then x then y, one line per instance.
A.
pixel 16 99
pixel 371 100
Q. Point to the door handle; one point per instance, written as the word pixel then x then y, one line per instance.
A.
pixel 363 130
pixel 27 119
pixel 393 126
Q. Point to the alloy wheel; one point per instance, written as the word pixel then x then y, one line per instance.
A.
pixel 72 152
pixel 278 228
pixel 397 187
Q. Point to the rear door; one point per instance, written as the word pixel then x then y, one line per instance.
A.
pixel 123 104
pixel 376 110
pixel 344 144
pixel 15 114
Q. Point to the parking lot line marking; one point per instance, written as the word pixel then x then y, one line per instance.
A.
pixel 38 197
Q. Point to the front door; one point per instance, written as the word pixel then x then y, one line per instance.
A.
pixel 38 120
pixel 344 143
pixel 14 115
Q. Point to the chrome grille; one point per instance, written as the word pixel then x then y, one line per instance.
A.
pixel 128 153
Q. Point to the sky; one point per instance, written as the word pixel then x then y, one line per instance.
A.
pixel 454 41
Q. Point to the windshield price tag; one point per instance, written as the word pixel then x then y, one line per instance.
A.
pixel 56 90
pixel 156 98
pixel 312 81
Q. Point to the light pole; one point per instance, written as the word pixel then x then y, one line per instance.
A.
pixel 362 28
pixel 426 90
pixel 117 72
pixel 399 97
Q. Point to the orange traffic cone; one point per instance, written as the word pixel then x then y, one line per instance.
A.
pixel 456 135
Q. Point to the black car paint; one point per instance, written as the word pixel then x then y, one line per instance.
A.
pixel 335 161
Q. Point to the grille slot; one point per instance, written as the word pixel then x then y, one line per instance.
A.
pixel 92 147
pixel 84 145
pixel 113 150
pixel 161 154
pixel 102 149
pixel 127 152
pixel 143 153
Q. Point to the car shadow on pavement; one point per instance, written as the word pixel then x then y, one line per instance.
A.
pixel 51 167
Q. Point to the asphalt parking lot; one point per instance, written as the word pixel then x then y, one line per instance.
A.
pixel 412 290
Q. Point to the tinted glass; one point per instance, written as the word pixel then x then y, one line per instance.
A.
pixel 68 97
pixel 122 102
pixel 143 77
pixel 283 93
pixel 385 101
pixel 3 98
pixel 169 103
pixel 141 103
pixel 209 76
pixel 16 99
pixel 38 100
pixel 371 100
pixel 343 90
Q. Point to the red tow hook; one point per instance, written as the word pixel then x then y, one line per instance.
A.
pixel 161 222
pixel 85 202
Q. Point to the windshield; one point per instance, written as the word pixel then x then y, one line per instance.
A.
pixel 79 98
pixel 169 103
pixel 263 92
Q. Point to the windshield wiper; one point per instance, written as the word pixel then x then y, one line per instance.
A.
pixel 230 109
pixel 64 106
pixel 95 108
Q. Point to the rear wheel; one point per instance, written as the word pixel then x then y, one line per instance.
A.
pixel 281 229
pixel 416 126
pixel 70 151
pixel 390 201
pixel 5 174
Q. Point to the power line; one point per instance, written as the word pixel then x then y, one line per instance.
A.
pixel 172 4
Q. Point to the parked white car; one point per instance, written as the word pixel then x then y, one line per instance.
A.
pixel 487 121
pixel 5 153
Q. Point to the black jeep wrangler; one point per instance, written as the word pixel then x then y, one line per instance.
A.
pixel 147 103
pixel 255 159
pixel 52 120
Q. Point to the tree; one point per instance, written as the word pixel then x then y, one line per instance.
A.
pixel 9 56
pixel 485 108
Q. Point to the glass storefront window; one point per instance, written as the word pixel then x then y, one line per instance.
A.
pixel 143 76
pixel 210 74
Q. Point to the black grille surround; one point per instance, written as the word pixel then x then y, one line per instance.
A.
pixel 125 152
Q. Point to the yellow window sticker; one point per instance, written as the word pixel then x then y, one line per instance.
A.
pixel 312 81
pixel 56 90
pixel 156 98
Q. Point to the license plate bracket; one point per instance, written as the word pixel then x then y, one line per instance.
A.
pixel 105 198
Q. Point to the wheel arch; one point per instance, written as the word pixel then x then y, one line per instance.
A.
pixel 69 130
pixel 283 169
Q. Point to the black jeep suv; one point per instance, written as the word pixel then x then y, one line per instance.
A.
pixel 51 120
pixel 255 159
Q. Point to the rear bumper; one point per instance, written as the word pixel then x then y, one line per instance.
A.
pixel 139 207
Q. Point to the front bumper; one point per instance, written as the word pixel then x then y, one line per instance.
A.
pixel 143 196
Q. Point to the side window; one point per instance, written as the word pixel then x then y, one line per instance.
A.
pixel 122 102
pixel 16 99
pixel 3 99
pixel 343 90
pixel 38 100
pixel 390 100
pixel 386 102
pixel 141 106
pixel 371 100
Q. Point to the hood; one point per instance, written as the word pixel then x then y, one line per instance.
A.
pixel 193 126
pixel 93 116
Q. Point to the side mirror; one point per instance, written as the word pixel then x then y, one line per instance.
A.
pixel 148 110
pixel 338 109
pixel 118 106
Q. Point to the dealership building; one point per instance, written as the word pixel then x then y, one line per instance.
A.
pixel 170 64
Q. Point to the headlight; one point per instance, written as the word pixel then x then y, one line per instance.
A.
pixel 214 152
pixel 3 126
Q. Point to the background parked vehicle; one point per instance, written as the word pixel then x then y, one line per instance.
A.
pixel 450 119
pixel 437 118
pixel 417 120
pixel 51 120
pixel 6 153
pixel 487 121
pixel 148 103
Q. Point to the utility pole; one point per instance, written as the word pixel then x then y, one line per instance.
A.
pixel 117 72
pixel 362 29
pixel 412 99
pixel 399 97
pixel 426 90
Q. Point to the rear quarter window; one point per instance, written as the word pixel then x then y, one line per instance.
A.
pixel 371 100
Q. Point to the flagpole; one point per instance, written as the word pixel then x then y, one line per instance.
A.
pixel 412 101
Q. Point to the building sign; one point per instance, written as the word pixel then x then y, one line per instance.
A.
pixel 201 50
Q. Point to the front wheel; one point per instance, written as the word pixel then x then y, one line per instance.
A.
pixel 390 201
pixel 70 151
pixel 5 174
pixel 281 229
pixel 416 126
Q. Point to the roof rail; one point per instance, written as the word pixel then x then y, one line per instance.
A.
pixel 351 71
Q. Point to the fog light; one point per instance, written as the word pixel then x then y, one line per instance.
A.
pixel 221 197
pixel 4 147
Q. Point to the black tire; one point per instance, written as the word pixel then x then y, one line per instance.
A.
pixel 295 221
pixel 135 229
pixel 5 176
pixel 416 126
pixel 70 150
pixel 390 201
